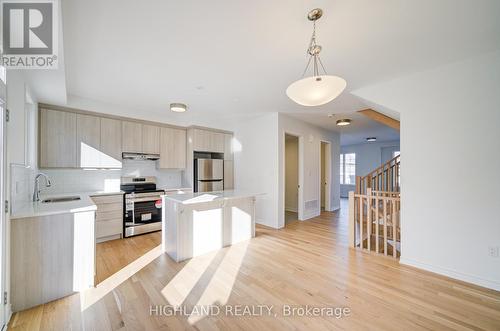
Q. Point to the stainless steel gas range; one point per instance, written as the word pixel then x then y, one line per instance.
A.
pixel 142 205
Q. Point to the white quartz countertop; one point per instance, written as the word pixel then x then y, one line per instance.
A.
pixel 169 189
pixel 101 193
pixel 201 197
pixel 37 209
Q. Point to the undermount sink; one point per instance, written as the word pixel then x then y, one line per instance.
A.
pixel 61 199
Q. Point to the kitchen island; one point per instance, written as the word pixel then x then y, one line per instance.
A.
pixel 197 223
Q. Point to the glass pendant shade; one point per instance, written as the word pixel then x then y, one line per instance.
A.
pixel 316 91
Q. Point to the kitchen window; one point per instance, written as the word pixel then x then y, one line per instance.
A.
pixel 348 168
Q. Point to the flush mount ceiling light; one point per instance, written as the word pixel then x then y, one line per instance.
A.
pixel 320 88
pixel 369 139
pixel 343 122
pixel 178 107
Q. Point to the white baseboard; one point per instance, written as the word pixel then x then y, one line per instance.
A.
pixel 8 315
pixel 311 215
pixel 292 209
pixel 488 283
pixel 262 222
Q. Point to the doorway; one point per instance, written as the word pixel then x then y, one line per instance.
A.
pixel 325 161
pixel 291 178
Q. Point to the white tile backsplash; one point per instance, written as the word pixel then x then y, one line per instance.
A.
pixel 82 180
pixel 21 184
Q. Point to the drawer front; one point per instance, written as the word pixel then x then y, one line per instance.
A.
pixel 108 199
pixel 108 228
pixel 108 207
pixel 108 215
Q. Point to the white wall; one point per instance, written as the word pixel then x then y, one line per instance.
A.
pixel 259 164
pixel 369 156
pixel 311 137
pixel 256 163
pixel 450 180
pixel 291 174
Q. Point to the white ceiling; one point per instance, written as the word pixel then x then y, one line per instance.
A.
pixel 228 57
pixel 360 128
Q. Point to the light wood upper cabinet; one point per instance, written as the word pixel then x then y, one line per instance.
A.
pixel 57 139
pixel 200 140
pixel 150 139
pixel 172 149
pixel 88 141
pixel 228 146
pixel 131 137
pixel 111 143
pixel 228 175
pixel 217 142
pixel 208 141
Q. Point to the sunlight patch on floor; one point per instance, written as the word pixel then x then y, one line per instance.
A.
pixel 221 285
pixel 184 281
pixel 92 295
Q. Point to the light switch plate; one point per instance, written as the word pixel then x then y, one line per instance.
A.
pixel 493 251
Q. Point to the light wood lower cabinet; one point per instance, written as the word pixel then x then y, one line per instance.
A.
pixel 52 256
pixel 109 217
pixel 172 149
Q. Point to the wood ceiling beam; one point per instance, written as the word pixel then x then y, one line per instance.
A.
pixel 381 118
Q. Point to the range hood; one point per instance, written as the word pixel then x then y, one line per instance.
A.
pixel 139 156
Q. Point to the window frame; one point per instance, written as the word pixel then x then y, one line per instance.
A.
pixel 352 166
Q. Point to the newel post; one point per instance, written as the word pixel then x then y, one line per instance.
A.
pixel 352 234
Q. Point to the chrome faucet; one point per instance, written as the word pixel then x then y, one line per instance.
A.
pixel 36 192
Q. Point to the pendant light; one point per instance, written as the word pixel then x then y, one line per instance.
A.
pixel 320 88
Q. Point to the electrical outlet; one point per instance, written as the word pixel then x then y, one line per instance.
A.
pixel 493 251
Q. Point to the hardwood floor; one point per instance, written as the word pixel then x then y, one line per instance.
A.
pixel 307 263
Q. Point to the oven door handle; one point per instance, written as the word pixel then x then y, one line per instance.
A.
pixel 145 199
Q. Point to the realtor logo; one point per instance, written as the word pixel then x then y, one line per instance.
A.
pixel 29 36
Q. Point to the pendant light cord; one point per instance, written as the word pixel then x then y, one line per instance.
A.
pixel 313 52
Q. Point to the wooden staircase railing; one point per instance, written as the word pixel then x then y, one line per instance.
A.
pixel 374 222
pixel 385 178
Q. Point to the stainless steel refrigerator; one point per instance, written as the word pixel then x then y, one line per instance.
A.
pixel 209 175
